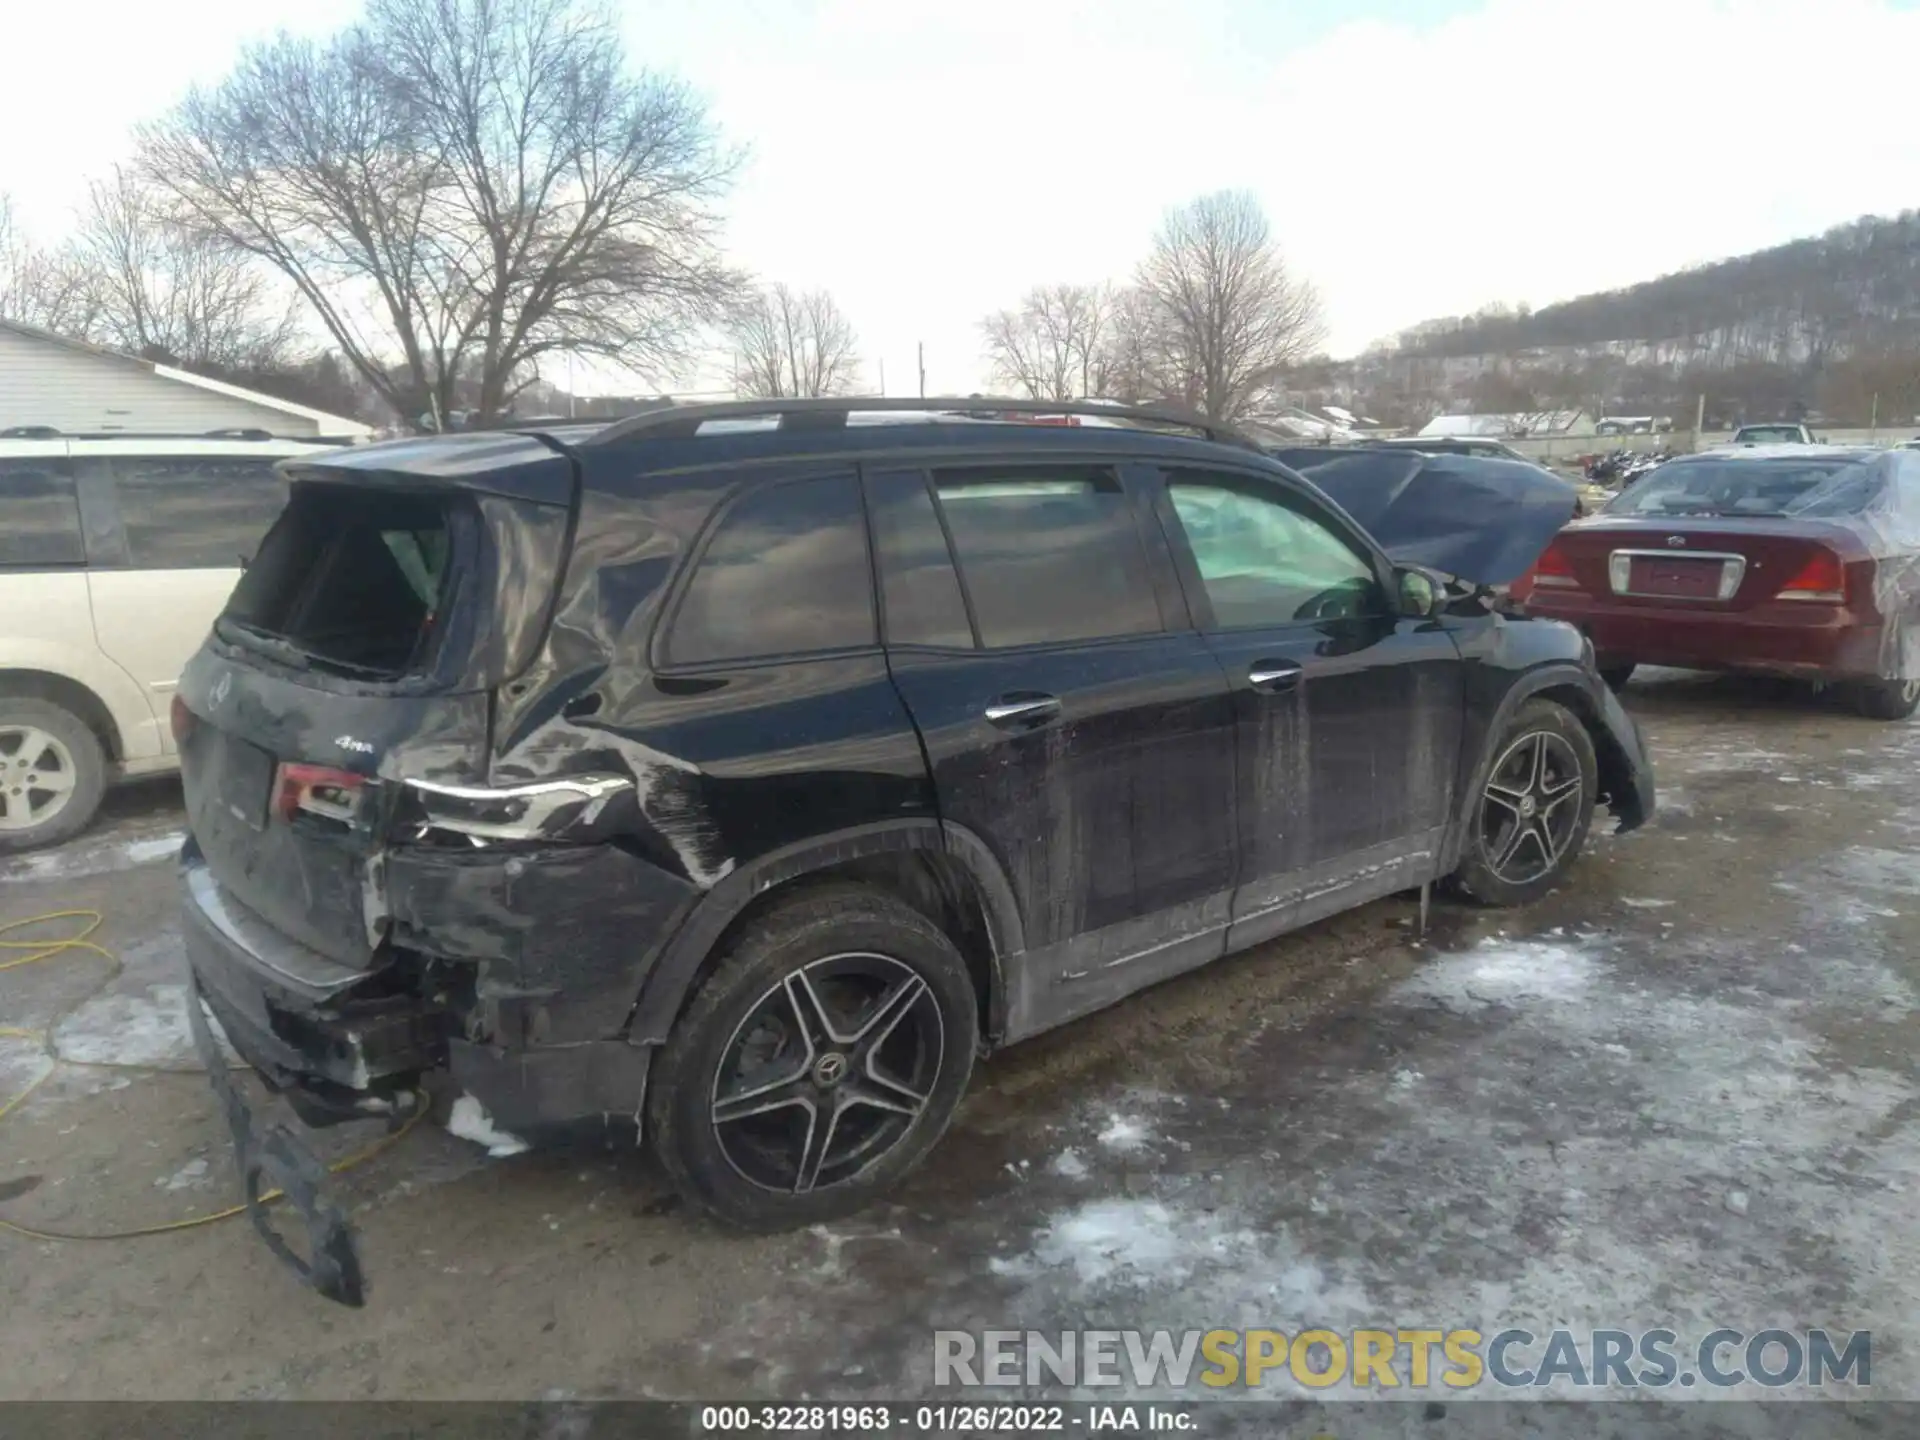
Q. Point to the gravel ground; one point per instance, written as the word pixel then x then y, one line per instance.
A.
pixel 1679 1092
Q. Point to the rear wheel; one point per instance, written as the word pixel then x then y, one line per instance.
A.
pixel 1886 699
pixel 52 774
pixel 822 1057
pixel 1617 676
pixel 1531 817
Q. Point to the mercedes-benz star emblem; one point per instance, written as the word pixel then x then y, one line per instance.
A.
pixel 1676 540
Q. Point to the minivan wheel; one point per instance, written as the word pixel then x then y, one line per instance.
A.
pixel 52 774
pixel 1886 699
pixel 821 1058
pixel 1534 808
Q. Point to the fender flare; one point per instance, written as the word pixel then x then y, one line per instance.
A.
pixel 679 961
pixel 1551 675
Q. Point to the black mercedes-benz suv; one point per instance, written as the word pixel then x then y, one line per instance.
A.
pixel 740 774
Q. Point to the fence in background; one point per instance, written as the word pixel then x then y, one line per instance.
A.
pixel 1564 447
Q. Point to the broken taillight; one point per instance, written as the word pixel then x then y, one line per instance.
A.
pixel 316 790
pixel 1823 580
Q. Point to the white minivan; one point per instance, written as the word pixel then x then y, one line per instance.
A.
pixel 116 554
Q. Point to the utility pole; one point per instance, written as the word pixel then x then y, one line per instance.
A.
pixel 1699 419
pixel 883 379
pixel 1873 425
pixel 921 350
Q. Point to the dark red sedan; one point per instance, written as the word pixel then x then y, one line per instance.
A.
pixel 1798 560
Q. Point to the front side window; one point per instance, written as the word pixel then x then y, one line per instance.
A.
pixel 1265 563
pixel 195 512
pixel 1049 554
pixel 784 574
pixel 39 514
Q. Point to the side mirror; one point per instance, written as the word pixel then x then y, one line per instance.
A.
pixel 1422 592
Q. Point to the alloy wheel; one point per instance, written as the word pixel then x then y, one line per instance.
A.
pixel 1530 807
pixel 827 1072
pixel 37 777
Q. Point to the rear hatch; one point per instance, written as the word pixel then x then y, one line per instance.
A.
pixel 360 649
pixel 1713 564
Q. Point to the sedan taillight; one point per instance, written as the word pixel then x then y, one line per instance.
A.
pixel 1822 580
pixel 1554 569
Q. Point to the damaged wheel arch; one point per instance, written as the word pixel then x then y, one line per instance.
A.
pixel 943 870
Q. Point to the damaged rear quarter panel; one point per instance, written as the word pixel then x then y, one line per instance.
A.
pixel 728 763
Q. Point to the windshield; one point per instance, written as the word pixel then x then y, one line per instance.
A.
pixel 1762 434
pixel 1734 486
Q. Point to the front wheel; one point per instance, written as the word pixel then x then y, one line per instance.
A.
pixel 821 1058
pixel 1535 806
pixel 1886 699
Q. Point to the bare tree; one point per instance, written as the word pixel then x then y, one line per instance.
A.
pixel 1221 315
pixel 792 343
pixel 167 291
pixel 1055 344
pixel 47 288
pixel 462 189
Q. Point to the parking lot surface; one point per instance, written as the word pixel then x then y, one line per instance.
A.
pixel 1681 1091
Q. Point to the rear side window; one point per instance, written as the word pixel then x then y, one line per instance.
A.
pixel 784 574
pixel 185 512
pixel 1048 555
pixel 39 514
pixel 349 580
pixel 919 590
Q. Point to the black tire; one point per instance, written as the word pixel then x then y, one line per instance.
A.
pixel 1885 699
pixel 1617 676
pixel 827 943
pixel 1492 874
pixel 66 753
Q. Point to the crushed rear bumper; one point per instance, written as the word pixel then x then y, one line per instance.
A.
pixel 271 1157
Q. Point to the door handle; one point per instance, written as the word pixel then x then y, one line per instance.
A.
pixel 1018 711
pixel 1273 676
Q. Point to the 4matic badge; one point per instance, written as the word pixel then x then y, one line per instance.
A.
pixel 347 742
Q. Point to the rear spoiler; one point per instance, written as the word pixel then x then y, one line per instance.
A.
pixel 517 465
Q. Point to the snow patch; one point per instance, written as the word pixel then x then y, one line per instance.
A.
pixel 193 1173
pixel 1069 1164
pixel 130 1027
pixel 470 1121
pixel 1504 973
pixel 1638 904
pixel 1141 1242
pixel 69 862
pixel 1126 1133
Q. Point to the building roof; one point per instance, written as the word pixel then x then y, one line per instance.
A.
pixel 1500 427
pixel 328 424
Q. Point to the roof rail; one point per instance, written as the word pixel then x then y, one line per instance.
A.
pixel 678 422
pixel 244 433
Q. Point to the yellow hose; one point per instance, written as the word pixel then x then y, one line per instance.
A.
pixel 35 951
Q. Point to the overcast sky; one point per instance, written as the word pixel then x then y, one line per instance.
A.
pixel 928 161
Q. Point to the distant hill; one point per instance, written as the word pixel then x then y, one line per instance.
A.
pixel 1815 327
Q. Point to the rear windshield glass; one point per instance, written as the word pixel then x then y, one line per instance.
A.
pixel 1764 434
pixel 349 580
pixel 1733 486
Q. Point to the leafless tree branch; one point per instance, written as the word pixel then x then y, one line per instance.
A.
pixel 1218 315
pixel 792 343
pixel 1057 344
pixel 460 188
